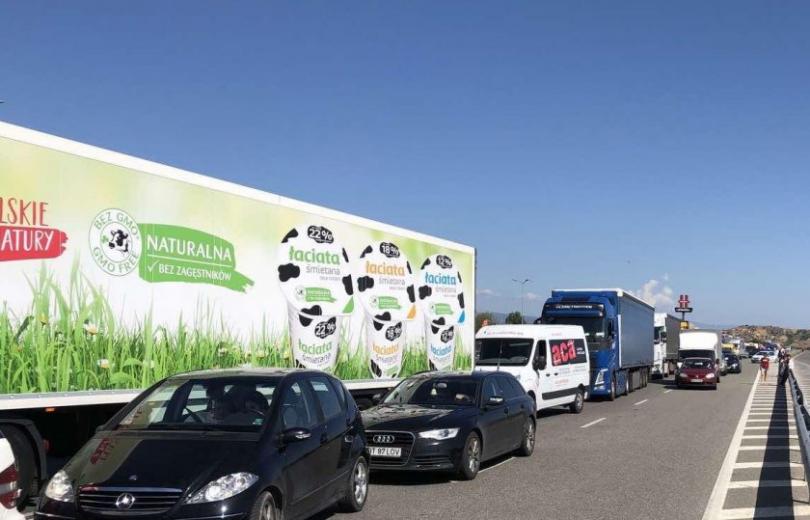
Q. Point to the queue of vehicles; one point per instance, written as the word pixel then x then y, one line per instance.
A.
pixel 143 252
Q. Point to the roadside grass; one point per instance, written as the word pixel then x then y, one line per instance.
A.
pixel 70 339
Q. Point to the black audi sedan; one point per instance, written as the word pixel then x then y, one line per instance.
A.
pixel 439 421
pixel 225 444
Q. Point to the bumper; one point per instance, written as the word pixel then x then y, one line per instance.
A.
pixel 424 455
pixel 694 382
pixel 236 508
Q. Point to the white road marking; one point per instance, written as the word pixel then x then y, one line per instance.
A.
pixel 755 484
pixel 641 402
pixel 770 436
pixel 770 427
pixel 759 465
pixel 764 512
pixel 667 391
pixel 593 422
pixel 718 496
pixel 771 448
pixel 510 459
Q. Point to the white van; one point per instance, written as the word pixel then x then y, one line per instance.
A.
pixel 703 343
pixel 550 361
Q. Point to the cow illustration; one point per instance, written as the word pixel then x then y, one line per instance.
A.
pixel 119 241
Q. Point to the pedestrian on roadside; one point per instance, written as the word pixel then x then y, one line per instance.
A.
pixel 764 364
pixel 784 368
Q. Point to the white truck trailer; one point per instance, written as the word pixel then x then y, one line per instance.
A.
pixel 116 272
pixel 667 342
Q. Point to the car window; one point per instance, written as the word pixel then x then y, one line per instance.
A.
pixel 510 387
pixel 298 410
pixel 491 389
pixel 327 397
pixel 340 390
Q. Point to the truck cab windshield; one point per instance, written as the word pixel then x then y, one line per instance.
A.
pixel 503 351
pixel 595 329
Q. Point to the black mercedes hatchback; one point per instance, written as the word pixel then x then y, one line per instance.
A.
pixel 225 444
pixel 438 421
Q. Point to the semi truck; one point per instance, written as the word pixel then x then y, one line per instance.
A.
pixel 619 330
pixel 116 272
pixel 667 342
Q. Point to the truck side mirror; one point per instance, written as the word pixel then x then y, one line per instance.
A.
pixel 610 330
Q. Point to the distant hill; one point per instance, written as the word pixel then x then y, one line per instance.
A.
pixel 797 338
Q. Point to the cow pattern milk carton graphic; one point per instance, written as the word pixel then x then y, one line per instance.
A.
pixel 441 297
pixel 385 288
pixel 314 273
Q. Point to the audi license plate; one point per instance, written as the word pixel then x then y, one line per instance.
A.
pixel 392 453
pixel 696 380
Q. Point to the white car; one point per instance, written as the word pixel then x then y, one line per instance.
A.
pixel 756 358
pixel 8 483
pixel 552 362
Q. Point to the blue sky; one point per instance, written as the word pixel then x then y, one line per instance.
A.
pixel 638 144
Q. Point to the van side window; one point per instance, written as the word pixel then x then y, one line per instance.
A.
pixel 540 351
pixel 567 352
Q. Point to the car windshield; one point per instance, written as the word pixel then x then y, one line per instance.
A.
pixel 503 351
pixel 697 363
pixel 732 359
pixel 226 404
pixel 451 391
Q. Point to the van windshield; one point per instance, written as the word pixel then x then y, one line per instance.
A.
pixel 503 351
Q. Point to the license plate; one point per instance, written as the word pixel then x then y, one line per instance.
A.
pixel 695 380
pixel 393 453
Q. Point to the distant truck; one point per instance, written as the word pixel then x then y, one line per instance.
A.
pixel 619 330
pixel 700 343
pixel 667 340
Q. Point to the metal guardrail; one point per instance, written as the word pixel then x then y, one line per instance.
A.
pixel 802 422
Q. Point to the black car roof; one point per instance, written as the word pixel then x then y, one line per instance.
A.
pixel 245 372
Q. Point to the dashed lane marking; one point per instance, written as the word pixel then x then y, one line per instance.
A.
pixel 593 422
pixel 641 402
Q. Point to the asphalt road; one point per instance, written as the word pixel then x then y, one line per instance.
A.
pixel 656 454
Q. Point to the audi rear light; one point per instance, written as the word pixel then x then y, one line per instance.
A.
pixel 9 493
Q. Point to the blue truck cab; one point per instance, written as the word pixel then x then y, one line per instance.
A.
pixel 619 328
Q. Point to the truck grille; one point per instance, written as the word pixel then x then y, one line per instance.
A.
pixel 133 501
pixel 402 440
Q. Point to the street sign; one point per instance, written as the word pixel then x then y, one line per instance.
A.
pixel 683 304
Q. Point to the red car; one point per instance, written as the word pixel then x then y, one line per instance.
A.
pixel 697 372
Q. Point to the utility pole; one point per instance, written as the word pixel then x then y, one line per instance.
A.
pixel 522 286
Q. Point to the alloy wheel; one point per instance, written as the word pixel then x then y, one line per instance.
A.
pixel 360 484
pixel 529 435
pixel 474 455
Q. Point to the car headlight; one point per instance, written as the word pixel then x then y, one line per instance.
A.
pixel 223 488
pixel 683 375
pixel 709 375
pixel 60 488
pixel 439 435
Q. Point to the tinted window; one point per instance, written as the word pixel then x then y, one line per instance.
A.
pixel 698 363
pixel 298 410
pixel 459 391
pixel 340 390
pixel 491 389
pixel 327 397
pixel 238 404
pixel 503 351
pixel 567 352
pixel 510 386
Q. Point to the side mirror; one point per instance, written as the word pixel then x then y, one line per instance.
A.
pixel 539 363
pixel 294 435
pixel 378 398
pixel 495 400
pixel 610 330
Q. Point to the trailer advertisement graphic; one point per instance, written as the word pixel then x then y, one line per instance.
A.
pixel 25 233
pixel 169 276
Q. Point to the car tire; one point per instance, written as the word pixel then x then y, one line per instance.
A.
pixel 470 461
pixel 356 493
pixel 529 438
pixel 265 508
pixel 578 403
pixel 612 395
pixel 25 459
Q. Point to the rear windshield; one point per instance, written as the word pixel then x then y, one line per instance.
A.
pixel 697 363
pixel 707 354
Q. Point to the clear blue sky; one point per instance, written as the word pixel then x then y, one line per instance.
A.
pixel 577 144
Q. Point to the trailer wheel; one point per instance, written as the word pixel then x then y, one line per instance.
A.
pixel 627 384
pixel 645 376
pixel 26 461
